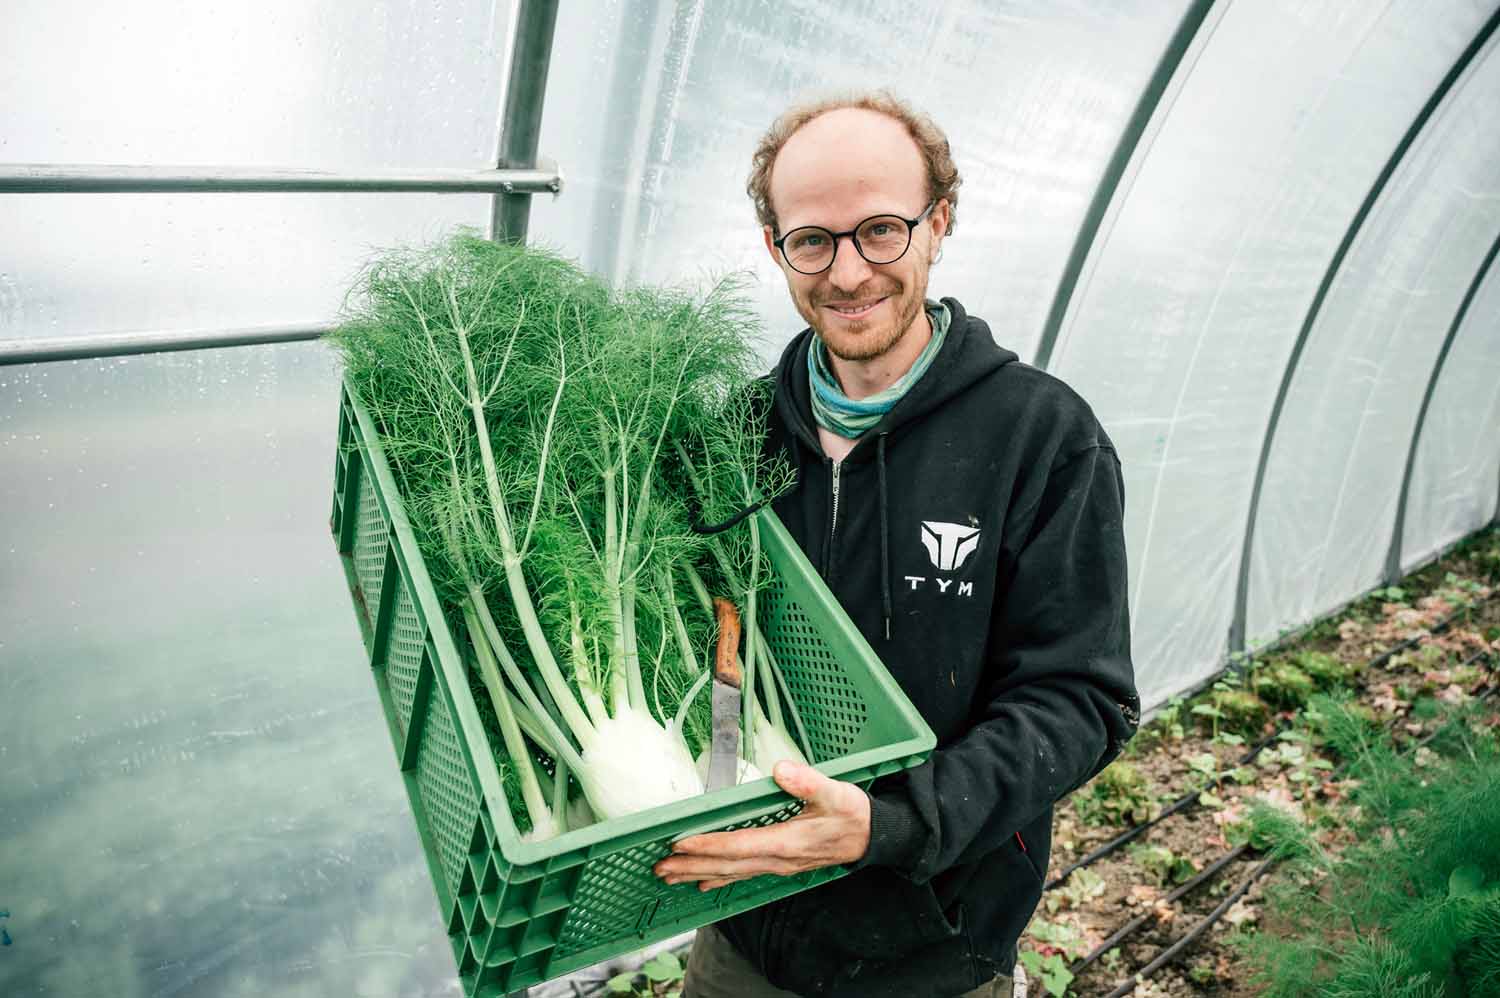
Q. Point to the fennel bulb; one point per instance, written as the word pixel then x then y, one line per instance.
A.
pixel 632 763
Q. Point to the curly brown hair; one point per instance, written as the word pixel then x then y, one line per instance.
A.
pixel 942 175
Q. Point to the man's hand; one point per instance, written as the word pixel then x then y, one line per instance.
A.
pixel 833 828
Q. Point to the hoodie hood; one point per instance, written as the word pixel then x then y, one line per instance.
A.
pixel 969 355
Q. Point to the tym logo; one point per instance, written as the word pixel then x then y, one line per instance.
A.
pixel 916 581
pixel 949 544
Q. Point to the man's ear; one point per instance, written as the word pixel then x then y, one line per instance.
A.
pixel 770 237
pixel 941 216
pixel 939 222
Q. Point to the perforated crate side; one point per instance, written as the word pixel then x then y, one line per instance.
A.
pixel 403 654
pixel 449 801
pixel 371 537
pixel 831 706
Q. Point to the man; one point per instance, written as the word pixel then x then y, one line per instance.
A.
pixel 966 509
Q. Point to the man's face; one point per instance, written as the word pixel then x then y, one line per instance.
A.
pixel 837 170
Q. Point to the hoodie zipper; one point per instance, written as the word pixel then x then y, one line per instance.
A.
pixel 833 519
pixel 834 522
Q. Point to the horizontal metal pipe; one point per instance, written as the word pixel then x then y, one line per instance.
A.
pixel 61 178
pixel 54 348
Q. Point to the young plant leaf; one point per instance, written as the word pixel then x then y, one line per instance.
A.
pixel 662 968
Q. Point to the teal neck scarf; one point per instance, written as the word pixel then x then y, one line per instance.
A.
pixel 837 413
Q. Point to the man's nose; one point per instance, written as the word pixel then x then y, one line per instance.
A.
pixel 849 269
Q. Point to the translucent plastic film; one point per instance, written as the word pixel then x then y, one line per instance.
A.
pixel 1455 482
pixel 1182 324
pixel 198 792
pixel 386 84
pixel 656 108
pixel 1334 477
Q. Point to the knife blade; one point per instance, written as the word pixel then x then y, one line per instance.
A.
pixel 724 747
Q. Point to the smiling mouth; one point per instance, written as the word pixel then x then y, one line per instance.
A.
pixel 859 312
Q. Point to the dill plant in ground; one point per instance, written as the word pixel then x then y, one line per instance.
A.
pixel 533 418
pixel 1412 907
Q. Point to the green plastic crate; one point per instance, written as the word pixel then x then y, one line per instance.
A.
pixel 518 913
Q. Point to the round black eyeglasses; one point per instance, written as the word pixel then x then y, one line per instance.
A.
pixel 879 239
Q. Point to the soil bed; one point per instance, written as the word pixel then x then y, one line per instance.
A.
pixel 1178 753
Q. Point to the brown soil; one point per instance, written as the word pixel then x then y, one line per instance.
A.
pixel 1127 883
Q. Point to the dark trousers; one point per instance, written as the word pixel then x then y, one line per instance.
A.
pixel 715 969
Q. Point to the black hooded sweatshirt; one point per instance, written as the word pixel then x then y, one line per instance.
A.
pixel 975 537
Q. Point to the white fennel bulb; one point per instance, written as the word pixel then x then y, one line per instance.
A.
pixel 543 827
pixel 745 771
pixel 631 764
pixel 772 745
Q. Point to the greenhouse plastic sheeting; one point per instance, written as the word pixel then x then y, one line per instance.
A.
pixel 1333 481
pixel 654 111
pixel 1182 327
pixel 1458 453
pixel 198 795
pixel 282 83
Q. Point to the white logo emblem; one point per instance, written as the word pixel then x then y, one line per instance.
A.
pixel 949 544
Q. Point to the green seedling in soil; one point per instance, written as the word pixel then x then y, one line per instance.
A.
pixel 1081 887
pixel 1282 684
pixel 1326 630
pixel 1208 710
pixel 1162 863
pixel 1118 795
pixel 1238 711
pixel 1168 722
pixel 1291 755
pixel 1466 585
pixel 1243 775
pixel 1410 908
pixel 1206 765
pixel 1420 659
pixel 661 975
pixel 1052 970
pixel 1058 945
pixel 1328 671
pixel 1207 778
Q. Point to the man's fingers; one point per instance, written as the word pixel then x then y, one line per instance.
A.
pixel 682 868
pixel 802 782
pixel 748 843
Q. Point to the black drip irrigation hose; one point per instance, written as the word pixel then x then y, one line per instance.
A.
pixel 1126 930
pixel 1186 801
pixel 1129 928
pixel 1178 946
pixel 1183 803
pixel 1173 951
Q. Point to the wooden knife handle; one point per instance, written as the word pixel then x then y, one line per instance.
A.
pixel 726 655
